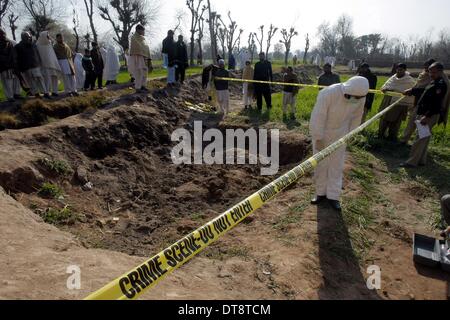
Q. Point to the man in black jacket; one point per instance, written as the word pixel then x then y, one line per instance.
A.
pixel 11 85
pixel 429 109
pixel 263 72
pixel 89 71
pixel 364 71
pixel 99 64
pixel 181 58
pixel 27 60
pixel 222 88
pixel 169 49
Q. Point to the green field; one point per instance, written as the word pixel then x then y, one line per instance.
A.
pixel 305 103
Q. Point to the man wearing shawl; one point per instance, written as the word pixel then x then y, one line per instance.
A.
pixel 139 62
pixel 400 82
pixel 65 60
pixel 79 71
pixel 112 66
pixel 247 74
pixel 49 63
pixel 28 63
pixel 11 85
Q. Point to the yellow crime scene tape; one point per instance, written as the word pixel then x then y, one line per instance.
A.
pixel 134 283
pixel 302 85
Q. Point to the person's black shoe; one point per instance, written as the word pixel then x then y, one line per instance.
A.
pixel 11 100
pixel 317 200
pixel 47 96
pixel 18 97
pixel 336 205
pixel 75 94
pixel 55 95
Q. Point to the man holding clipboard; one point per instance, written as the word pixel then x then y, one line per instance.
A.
pixel 430 105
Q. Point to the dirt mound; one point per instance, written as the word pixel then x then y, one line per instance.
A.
pixel 112 170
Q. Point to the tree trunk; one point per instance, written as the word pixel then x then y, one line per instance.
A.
pixel 212 33
pixel 286 58
pixel 192 49
pixel 200 52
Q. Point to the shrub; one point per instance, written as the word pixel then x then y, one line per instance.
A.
pixel 49 190
pixel 59 167
pixel 57 217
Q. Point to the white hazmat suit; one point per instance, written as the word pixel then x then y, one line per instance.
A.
pixel 333 117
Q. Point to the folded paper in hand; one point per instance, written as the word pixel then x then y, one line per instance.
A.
pixel 423 130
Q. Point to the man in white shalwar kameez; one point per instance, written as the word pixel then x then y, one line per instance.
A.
pixel 338 110
pixel 112 66
pixel 65 60
pixel 80 75
pixel 139 62
pixel 49 63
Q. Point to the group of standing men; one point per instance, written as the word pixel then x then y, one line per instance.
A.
pixel 175 58
pixel 37 66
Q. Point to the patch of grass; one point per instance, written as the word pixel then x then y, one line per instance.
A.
pixel 221 253
pixel 50 191
pixel 8 121
pixel 59 167
pixel 59 216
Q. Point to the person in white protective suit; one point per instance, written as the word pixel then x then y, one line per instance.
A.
pixel 338 110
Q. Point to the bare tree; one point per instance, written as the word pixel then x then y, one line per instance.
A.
pixel 328 40
pixel 75 27
pixel 212 16
pixel 307 44
pixel 179 18
pixel 4 6
pixel 231 38
pixel 201 28
pixel 197 12
pixel 261 38
pixel 12 19
pixel 270 34
pixel 42 13
pixel 222 37
pixel 89 5
pixel 251 45
pixel 124 15
pixel 287 41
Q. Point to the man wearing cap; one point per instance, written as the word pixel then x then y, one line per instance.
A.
pixel 338 111
pixel 422 82
pixel 430 103
pixel 223 94
pixel 328 78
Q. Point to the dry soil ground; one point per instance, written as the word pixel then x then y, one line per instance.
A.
pixel 140 203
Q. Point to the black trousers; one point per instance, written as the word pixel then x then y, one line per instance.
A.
pixel 260 91
pixel 99 78
pixel 89 80
pixel 180 73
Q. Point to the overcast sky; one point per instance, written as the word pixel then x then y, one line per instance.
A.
pixel 397 18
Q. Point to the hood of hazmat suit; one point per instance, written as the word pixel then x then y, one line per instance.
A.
pixel 333 117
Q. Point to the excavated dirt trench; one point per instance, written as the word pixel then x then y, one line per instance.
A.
pixel 140 200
